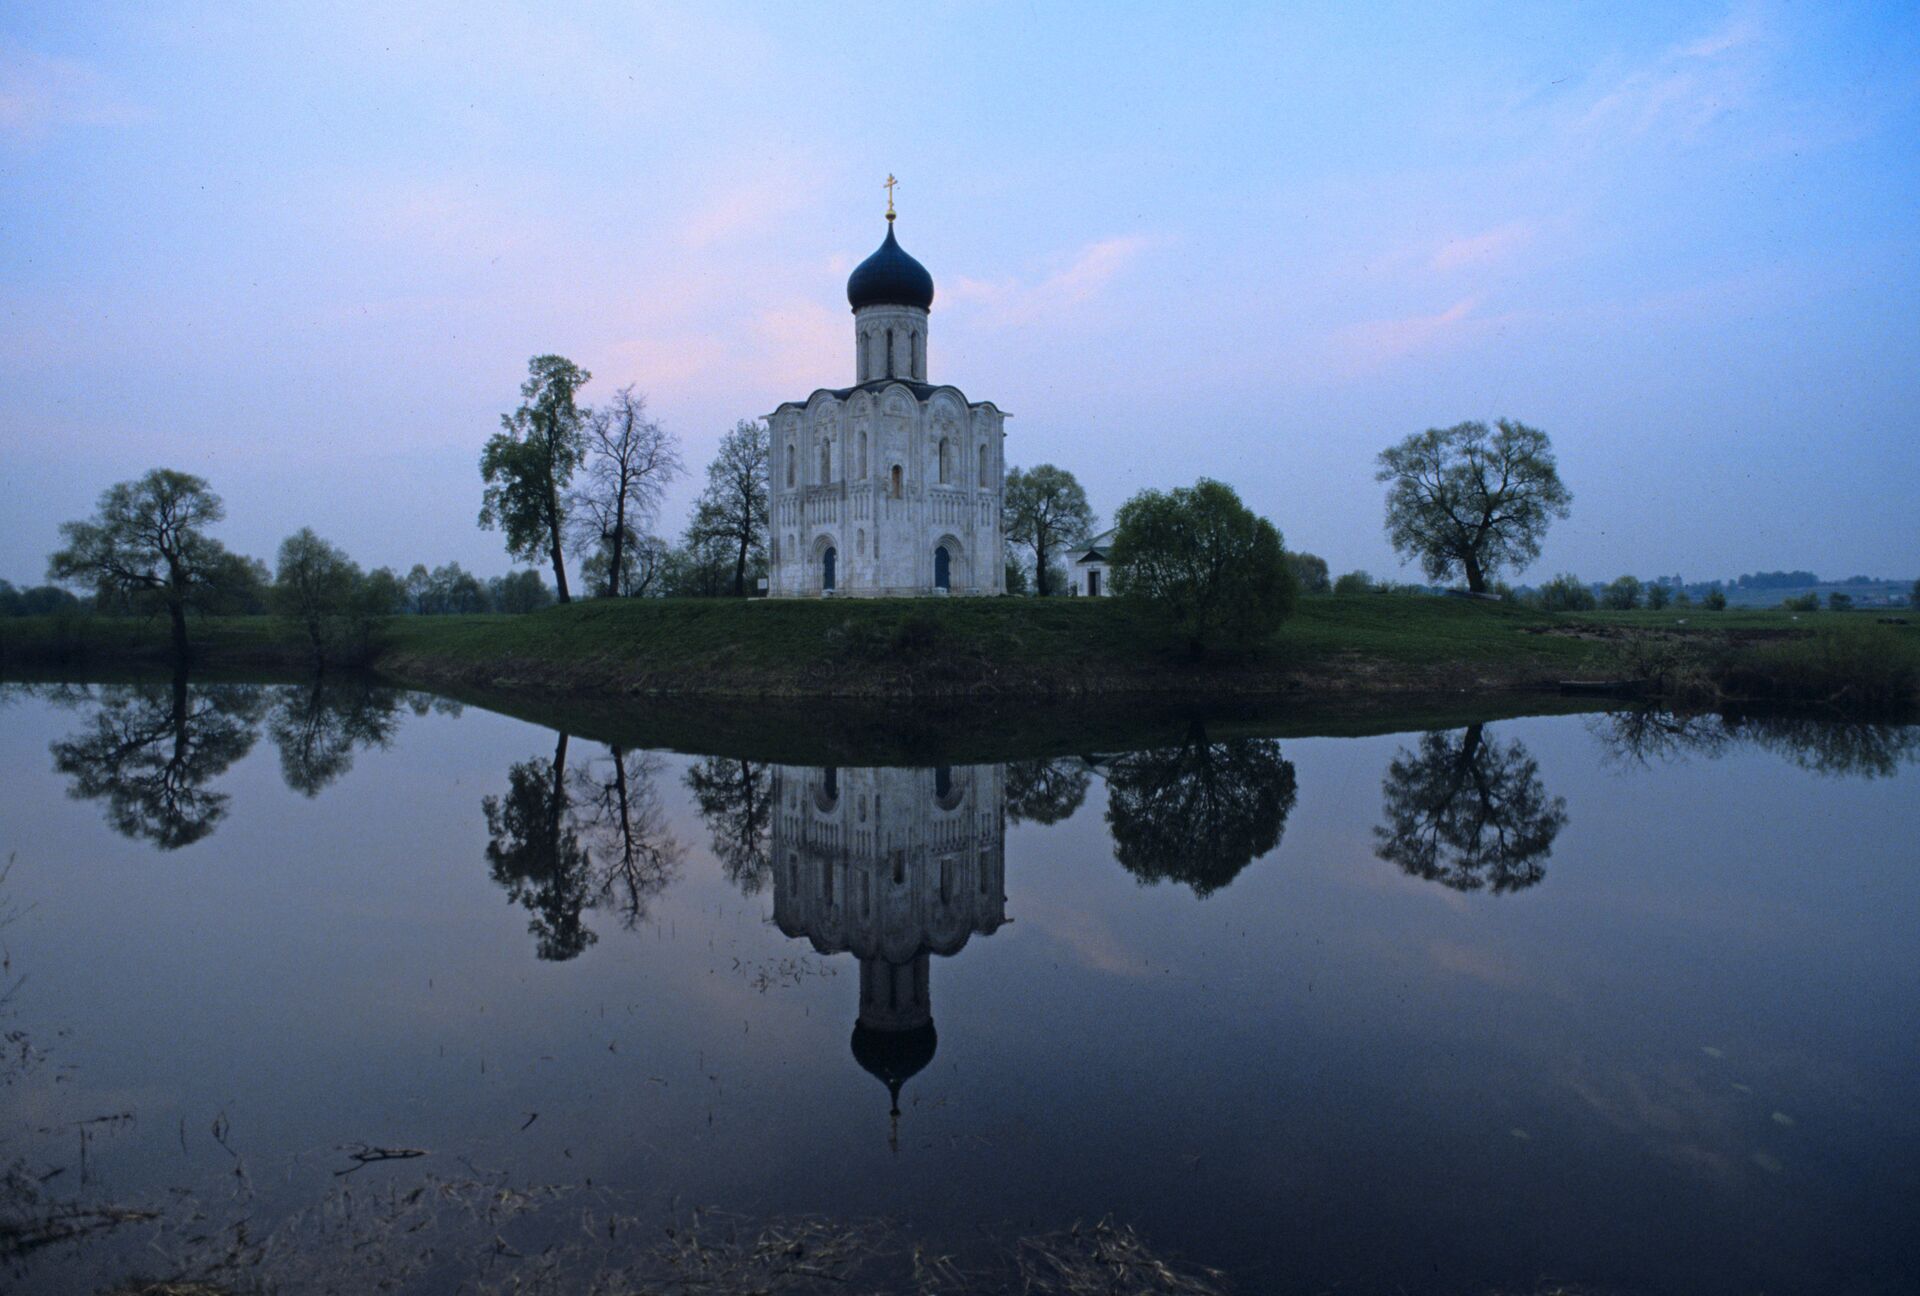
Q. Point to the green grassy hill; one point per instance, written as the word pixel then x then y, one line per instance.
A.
pixel 1011 647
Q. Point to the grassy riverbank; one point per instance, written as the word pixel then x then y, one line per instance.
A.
pixel 1058 648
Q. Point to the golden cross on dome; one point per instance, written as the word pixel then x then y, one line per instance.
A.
pixel 891 182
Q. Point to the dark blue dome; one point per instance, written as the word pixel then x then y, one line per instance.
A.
pixel 894 1057
pixel 890 278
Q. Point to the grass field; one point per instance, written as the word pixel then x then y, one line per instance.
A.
pixel 1028 647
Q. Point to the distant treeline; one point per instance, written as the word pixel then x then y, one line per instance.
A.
pixel 446 590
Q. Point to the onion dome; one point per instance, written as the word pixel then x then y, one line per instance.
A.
pixel 894 1057
pixel 890 278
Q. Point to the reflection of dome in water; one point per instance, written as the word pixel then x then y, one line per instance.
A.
pixel 896 866
pixel 894 1057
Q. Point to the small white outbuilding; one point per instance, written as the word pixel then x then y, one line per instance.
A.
pixel 1087 567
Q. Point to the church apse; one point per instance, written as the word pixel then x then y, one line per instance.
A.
pixel 894 866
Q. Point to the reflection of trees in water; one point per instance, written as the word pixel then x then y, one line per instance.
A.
pixel 565 841
pixel 1468 811
pixel 535 853
pixel 1199 812
pixel 618 807
pixel 319 726
pixel 1046 791
pixel 150 750
pixel 736 801
pixel 1840 748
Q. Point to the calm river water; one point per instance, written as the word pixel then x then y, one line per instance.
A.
pixel 1625 1003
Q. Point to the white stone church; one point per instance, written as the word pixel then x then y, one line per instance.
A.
pixel 892 486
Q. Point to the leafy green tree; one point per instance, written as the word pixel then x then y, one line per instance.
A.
pixel 1715 601
pixel 37 600
pixel 1046 512
pixel 1808 602
pixel 1658 595
pixel 630 461
pixel 1198 812
pixel 460 591
pixel 418 586
pixel 1469 812
pixel 1354 582
pixel 315 588
pixel 1913 595
pixel 147 543
pixel 1838 602
pixel 381 595
pixel 1623 595
pixel 702 568
pixel 1214 568
pixel 732 511
pixel 642 563
pixel 240 586
pixel 1471 499
pixel 1017 582
pixel 518 592
pixel 1309 573
pixel 528 464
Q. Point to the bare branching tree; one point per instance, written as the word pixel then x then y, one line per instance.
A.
pixel 630 461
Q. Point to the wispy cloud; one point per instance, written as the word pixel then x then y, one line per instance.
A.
pixel 1684 89
pixel 39 93
pixel 1482 249
pixel 1376 342
pixel 1083 277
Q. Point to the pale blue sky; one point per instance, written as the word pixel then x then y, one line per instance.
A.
pixel 306 251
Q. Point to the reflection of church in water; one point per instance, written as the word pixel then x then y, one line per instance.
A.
pixel 895 865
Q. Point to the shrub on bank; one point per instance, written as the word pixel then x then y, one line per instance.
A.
pixel 1208 565
pixel 1869 668
pixel 1566 593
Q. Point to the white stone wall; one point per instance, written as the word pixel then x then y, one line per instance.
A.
pixel 1080 578
pixel 867 478
pixel 890 333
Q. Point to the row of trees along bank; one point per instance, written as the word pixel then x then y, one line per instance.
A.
pixel 561 477
pixel 1464 501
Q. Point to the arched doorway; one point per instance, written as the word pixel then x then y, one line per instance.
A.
pixel 942 569
pixel 828 561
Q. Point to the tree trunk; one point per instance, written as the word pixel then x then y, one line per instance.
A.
pixel 1040 562
pixel 559 567
pixel 1476 579
pixel 177 613
pixel 619 538
pixel 740 567
pixel 553 530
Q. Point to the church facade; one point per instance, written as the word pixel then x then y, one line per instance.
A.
pixel 891 486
